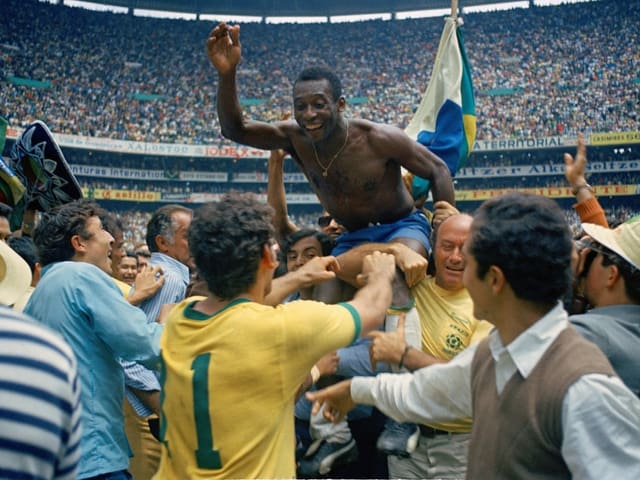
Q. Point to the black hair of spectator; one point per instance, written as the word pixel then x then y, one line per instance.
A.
pixel 326 243
pixel 528 238
pixel 25 247
pixel 112 224
pixel 5 210
pixel 227 240
pixel 142 253
pixel 52 235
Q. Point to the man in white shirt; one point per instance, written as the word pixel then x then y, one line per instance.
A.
pixel 546 402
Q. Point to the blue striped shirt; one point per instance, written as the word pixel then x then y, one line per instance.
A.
pixel 39 401
pixel 176 279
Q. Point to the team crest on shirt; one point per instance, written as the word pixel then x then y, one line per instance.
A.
pixel 454 342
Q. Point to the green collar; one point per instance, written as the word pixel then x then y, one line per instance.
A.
pixel 192 314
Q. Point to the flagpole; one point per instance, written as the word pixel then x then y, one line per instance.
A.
pixel 454 8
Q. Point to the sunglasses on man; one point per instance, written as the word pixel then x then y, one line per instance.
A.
pixel 597 248
pixel 324 220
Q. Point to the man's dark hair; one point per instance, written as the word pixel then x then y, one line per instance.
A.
pixel 226 240
pixel 326 243
pixel 25 247
pixel 528 238
pixel 132 254
pixel 112 224
pixel 320 72
pixel 53 232
pixel 5 210
pixel 161 223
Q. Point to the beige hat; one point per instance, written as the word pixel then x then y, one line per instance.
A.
pixel 15 275
pixel 624 240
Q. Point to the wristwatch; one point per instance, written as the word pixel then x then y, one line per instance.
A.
pixel 577 188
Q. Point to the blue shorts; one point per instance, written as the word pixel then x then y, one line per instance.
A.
pixel 414 226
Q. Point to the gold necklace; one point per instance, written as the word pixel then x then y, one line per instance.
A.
pixel 315 152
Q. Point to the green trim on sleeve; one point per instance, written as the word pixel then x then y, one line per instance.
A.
pixel 356 319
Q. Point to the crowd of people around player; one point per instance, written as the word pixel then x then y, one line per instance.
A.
pixel 120 308
pixel 135 222
pixel 384 341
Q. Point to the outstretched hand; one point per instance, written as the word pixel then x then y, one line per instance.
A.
pixel 441 211
pixel 575 168
pixel 223 47
pixel 336 399
pixel 147 283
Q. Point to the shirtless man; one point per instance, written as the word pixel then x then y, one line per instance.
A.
pixel 353 166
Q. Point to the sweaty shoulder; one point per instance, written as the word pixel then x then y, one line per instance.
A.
pixel 291 129
pixel 387 139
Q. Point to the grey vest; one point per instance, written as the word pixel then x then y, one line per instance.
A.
pixel 518 434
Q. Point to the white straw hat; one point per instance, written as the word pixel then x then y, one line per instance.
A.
pixel 624 240
pixel 15 275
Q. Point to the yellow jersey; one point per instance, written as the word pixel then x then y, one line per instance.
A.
pixel 229 382
pixel 448 327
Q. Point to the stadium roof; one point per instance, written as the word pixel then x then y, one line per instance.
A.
pixel 297 8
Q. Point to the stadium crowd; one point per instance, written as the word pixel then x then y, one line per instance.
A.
pixel 220 403
pixel 574 68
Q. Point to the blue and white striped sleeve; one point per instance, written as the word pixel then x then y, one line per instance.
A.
pixel 40 402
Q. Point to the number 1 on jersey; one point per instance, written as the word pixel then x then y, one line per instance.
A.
pixel 206 456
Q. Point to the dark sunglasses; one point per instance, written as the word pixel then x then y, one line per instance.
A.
pixel 626 268
pixel 324 220
pixel 595 249
pixel 593 246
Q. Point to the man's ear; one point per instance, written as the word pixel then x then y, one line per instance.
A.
pixel 161 243
pixel 269 256
pixel 496 279
pixel 342 104
pixel 613 274
pixel 76 243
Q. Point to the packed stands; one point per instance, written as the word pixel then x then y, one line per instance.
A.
pixel 573 68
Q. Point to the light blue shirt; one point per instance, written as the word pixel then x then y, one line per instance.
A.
pixel 174 288
pixel 83 303
pixel 600 415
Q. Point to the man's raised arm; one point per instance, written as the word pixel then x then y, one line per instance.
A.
pixel 224 52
